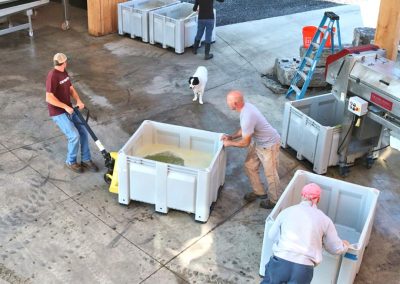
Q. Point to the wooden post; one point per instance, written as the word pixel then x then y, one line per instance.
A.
pixel 102 16
pixel 387 34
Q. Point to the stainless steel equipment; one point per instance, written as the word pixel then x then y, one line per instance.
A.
pixel 367 86
pixel 10 7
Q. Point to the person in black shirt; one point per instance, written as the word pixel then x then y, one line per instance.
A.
pixel 205 22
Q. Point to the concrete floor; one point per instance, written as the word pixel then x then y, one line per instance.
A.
pixel 61 227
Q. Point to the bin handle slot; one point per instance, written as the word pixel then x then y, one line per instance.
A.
pixel 384 82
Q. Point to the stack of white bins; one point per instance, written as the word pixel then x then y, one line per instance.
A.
pixel 168 22
pixel 175 26
pixel 133 16
pixel 167 185
pixel 351 208
pixel 312 127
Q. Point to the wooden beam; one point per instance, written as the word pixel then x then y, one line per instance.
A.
pixel 102 16
pixel 387 34
pixel 94 18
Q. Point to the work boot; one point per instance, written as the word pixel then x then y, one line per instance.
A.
pixel 208 55
pixel 251 196
pixel 75 167
pixel 195 46
pixel 267 204
pixel 90 166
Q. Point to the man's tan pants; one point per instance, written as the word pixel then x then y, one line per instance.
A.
pixel 269 158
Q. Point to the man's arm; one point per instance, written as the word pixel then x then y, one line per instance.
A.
pixel 51 99
pixel 76 97
pixel 332 243
pixel 247 127
pixel 233 136
pixel 242 143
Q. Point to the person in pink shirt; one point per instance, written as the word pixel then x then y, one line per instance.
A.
pixel 299 234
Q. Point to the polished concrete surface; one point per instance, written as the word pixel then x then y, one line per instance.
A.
pixel 60 227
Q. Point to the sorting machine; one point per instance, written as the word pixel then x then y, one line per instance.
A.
pixel 367 86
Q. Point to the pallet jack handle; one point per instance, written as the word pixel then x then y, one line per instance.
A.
pixel 108 160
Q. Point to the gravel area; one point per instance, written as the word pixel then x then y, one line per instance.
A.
pixel 237 11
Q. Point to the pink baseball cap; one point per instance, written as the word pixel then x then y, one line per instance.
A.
pixel 311 191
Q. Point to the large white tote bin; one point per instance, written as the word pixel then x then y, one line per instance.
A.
pixel 312 128
pixel 175 26
pixel 166 185
pixel 133 16
pixel 351 208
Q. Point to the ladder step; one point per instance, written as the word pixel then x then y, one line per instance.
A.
pixel 316 45
pixel 322 30
pixel 302 74
pixel 296 89
pixel 309 60
pixel 332 16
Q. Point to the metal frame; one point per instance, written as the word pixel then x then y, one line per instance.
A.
pixel 27 8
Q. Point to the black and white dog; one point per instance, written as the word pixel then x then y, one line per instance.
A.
pixel 198 83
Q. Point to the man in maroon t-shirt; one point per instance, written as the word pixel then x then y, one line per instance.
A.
pixel 58 97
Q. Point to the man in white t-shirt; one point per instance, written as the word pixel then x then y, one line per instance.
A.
pixel 299 233
pixel 263 143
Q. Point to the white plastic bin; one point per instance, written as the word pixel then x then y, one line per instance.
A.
pixel 175 26
pixel 312 128
pixel 351 208
pixel 133 16
pixel 189 188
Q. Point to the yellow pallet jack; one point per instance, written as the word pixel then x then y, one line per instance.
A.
pixel 110 158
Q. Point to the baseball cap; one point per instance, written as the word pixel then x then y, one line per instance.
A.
pixel 311 191
pixel 59 58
